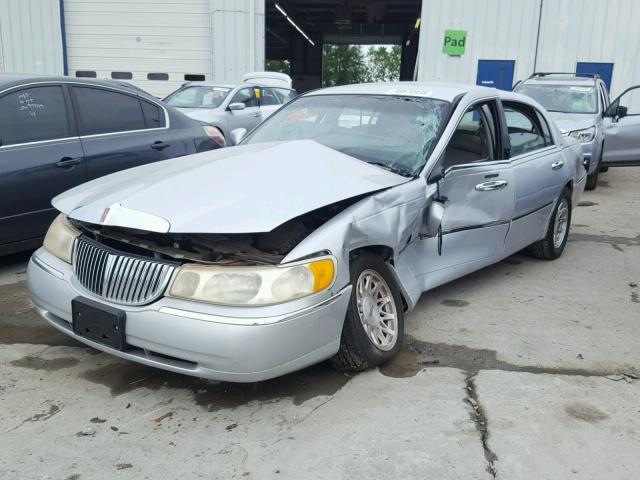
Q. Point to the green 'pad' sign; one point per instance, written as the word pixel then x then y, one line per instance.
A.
pixel 454 42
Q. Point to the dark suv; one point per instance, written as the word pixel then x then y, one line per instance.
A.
pixel 59 132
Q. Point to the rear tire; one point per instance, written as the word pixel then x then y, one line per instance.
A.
pixel 554 241
pixel 373 330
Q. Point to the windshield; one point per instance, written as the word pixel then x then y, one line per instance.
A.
pixel 199 96
pixel 563 98
pixel 395 133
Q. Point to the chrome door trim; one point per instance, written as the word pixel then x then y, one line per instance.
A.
pixel 40 142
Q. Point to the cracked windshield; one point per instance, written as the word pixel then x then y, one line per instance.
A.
pixel 395 133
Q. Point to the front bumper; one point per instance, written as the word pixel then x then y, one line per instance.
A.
pixel 202 340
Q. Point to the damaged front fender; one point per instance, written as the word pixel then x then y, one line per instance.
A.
pixel 392 218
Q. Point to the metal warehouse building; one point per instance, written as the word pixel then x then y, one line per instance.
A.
pixel 158 44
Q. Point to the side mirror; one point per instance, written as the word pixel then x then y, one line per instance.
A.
pixel 621 111
pixel 237 106
pixel 237 135
pixel 437 174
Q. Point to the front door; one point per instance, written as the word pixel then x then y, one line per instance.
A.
pixel 622 130
pixel 40 157
pixel 496 74
pixel 248 117
pixel 478 200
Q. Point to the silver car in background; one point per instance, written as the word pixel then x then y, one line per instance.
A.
pixel 313 238
pixel 580 106
pixel 228 107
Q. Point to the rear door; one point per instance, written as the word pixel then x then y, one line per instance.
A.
pixel 119 130
pixel 622 130
pixel 40 157
pixel 539 171
pixel 250 116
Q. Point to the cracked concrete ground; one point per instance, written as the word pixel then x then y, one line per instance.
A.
pixel 524 370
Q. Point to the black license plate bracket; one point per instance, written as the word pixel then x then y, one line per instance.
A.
pixel 99 323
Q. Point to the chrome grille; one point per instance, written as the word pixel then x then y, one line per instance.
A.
pixel 119 277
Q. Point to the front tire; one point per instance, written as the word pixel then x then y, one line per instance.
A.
pixel 592 179
pixel 373 330
pixel 554 241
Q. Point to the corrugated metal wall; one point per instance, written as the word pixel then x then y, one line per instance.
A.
pixel 238 40
pixel 571 31
pixel 30 38
pixel 592 31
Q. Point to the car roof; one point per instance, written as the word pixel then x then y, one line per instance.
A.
pixel 8 80
pixel 562 80
pixel 437 90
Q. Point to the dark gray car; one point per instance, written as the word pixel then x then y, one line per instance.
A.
pixel 59 132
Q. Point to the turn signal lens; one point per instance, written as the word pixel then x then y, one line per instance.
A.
pixel 323 274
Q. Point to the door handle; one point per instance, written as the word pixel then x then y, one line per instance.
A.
pixel 68 162
pixel 557 165
pixel 256 114
pixel 160 145
pixel 493 185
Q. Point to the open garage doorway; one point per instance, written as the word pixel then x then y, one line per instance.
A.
pixel 301 33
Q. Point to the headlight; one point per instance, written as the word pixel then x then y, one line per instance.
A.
pixel 585 135
pixel 60 237
pixel 262 285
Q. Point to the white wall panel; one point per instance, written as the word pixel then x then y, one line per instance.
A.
pixel 571 31
pixel 141 37
pixel 30 38
pixel 496 30
pixel 237 28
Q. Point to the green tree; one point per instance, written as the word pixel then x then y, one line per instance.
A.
pixel 383 64
pixel 282 66
pixel 342 65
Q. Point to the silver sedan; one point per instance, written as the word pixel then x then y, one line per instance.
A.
pixel 313 238
pixel 228 107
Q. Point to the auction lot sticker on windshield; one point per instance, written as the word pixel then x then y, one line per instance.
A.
pixel 580 89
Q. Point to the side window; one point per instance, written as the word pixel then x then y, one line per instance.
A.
pixel 32 115
pixel 546 131
pixel 525 132
pixel 269 97
pixel 105 111
pixel 246 96
pixel 153 115
pixel 472 141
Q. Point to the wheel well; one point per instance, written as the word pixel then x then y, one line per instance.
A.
pixel 386 253
pixel 569 185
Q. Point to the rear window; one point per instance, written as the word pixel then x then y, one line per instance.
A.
pixel 105 111
pixel 32 115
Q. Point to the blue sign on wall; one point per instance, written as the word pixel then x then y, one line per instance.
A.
pixel 496 73
pixel 605 70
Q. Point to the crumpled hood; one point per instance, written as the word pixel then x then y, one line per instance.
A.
pixel 568 122
pixel 245 189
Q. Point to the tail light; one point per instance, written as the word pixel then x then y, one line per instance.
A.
pixel 215 134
